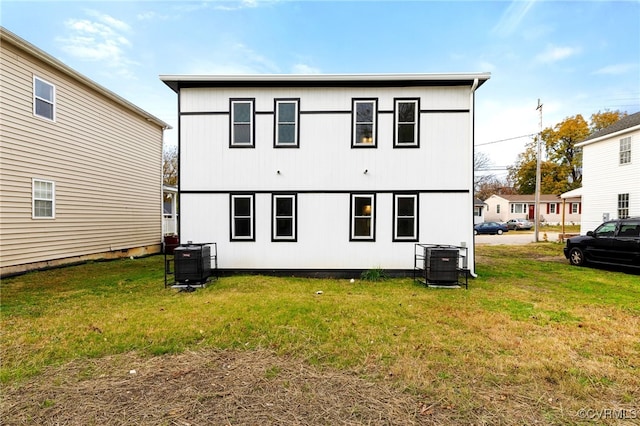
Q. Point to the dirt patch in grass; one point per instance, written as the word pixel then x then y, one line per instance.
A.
pixel 208 387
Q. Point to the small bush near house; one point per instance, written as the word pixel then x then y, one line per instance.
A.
pixel 375 274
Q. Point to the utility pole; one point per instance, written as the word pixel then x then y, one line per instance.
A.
pixel 538 161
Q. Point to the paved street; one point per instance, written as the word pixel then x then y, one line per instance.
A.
pixel 515 238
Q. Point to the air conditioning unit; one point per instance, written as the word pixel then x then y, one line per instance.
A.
pixel 192 263
pixel 441 265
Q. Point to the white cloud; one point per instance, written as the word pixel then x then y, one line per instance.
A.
pixel 556 53
pixel 616 69
pixel 101 40
pixel 304 69
pixel 512 16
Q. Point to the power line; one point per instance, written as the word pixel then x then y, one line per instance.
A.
pixel 505 140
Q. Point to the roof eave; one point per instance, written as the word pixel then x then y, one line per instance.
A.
pixel 609 136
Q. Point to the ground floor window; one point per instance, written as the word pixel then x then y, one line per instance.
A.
pixel 405 217
pixel 518 208
pixel 623 206
pixel 242 217
pixel 284 217
pixel 575 208
pixel 362 224
pixel 43 199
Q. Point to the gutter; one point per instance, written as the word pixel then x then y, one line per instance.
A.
pixel 474 86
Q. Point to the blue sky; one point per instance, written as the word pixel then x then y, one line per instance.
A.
pixel 578 57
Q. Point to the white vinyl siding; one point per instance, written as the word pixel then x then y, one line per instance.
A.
pixel 44 99
pixel 43 199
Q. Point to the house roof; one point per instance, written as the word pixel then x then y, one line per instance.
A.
pixel 574 193
pixel 529 198
pixel 176 82
pixel 624 124
pixel 8 37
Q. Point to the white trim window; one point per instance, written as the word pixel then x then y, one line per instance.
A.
pixel 406 122
pixel 362 223
pixel 623 206
pixel 287 119
pixel 517 208
pixel 575 208
pixel 364 117
pixel 625 150
pixel 405 217
pixel 242 123
pixel 43 199
pixel 44 99
pixel 553 208
pixel 242 217
pixel 284 224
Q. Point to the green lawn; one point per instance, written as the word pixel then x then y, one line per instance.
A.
pixel 531 333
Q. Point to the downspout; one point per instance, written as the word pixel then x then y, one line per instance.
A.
pixel 472 98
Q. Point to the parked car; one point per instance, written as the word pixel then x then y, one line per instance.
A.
pixel 490 228
pixel 615 242
pixel 518 224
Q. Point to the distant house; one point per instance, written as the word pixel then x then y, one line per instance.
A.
pixel 479 207
pixel 611 173
pixel 553 209
pixel 331 174
pixel 81 174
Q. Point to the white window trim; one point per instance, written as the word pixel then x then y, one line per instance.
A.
pixel 623 205
pixel 293 217
pixel 416 124
pixel 575 208
pixel 625 151
pixel 396 198
pixel 51 102
pixel 34 199
pixel 252 119
pixel 355 122
pixel 524 208
pixel 372 217
pixel 296 132
pixel 251 216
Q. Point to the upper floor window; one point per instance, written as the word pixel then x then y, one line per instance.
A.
pixel 284 217
pixel 43 199
pixel 242 123
pixel 242 217
pixel 364 116
pixel 362 217
pixel 623 206
pixel 625 150
pixel 44 99
pixel 405 217
pixel 406 116
pixel 287 119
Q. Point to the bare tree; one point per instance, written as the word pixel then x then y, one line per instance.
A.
pixel 170 166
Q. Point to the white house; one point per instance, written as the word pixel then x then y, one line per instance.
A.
pixel 553 209
pixel 479 207
pixel 611 173
pixel 326 173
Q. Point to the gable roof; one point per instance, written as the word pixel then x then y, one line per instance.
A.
pixel 8 37
pixel 624 123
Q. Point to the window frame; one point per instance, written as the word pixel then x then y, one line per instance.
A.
pixel 354 123
pixel 372 217
pixel 396 123
pixel 51 200
pixel 232 123
pixel 232 217
pixel 294 217
pixel 523 205
pixel 276 125
pixel 625 151
pixel 37 98
pixel 623 206
pixel 396 217
pixel 575 208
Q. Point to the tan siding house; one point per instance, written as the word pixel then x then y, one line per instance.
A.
pixel 80 167
pixel 553 209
